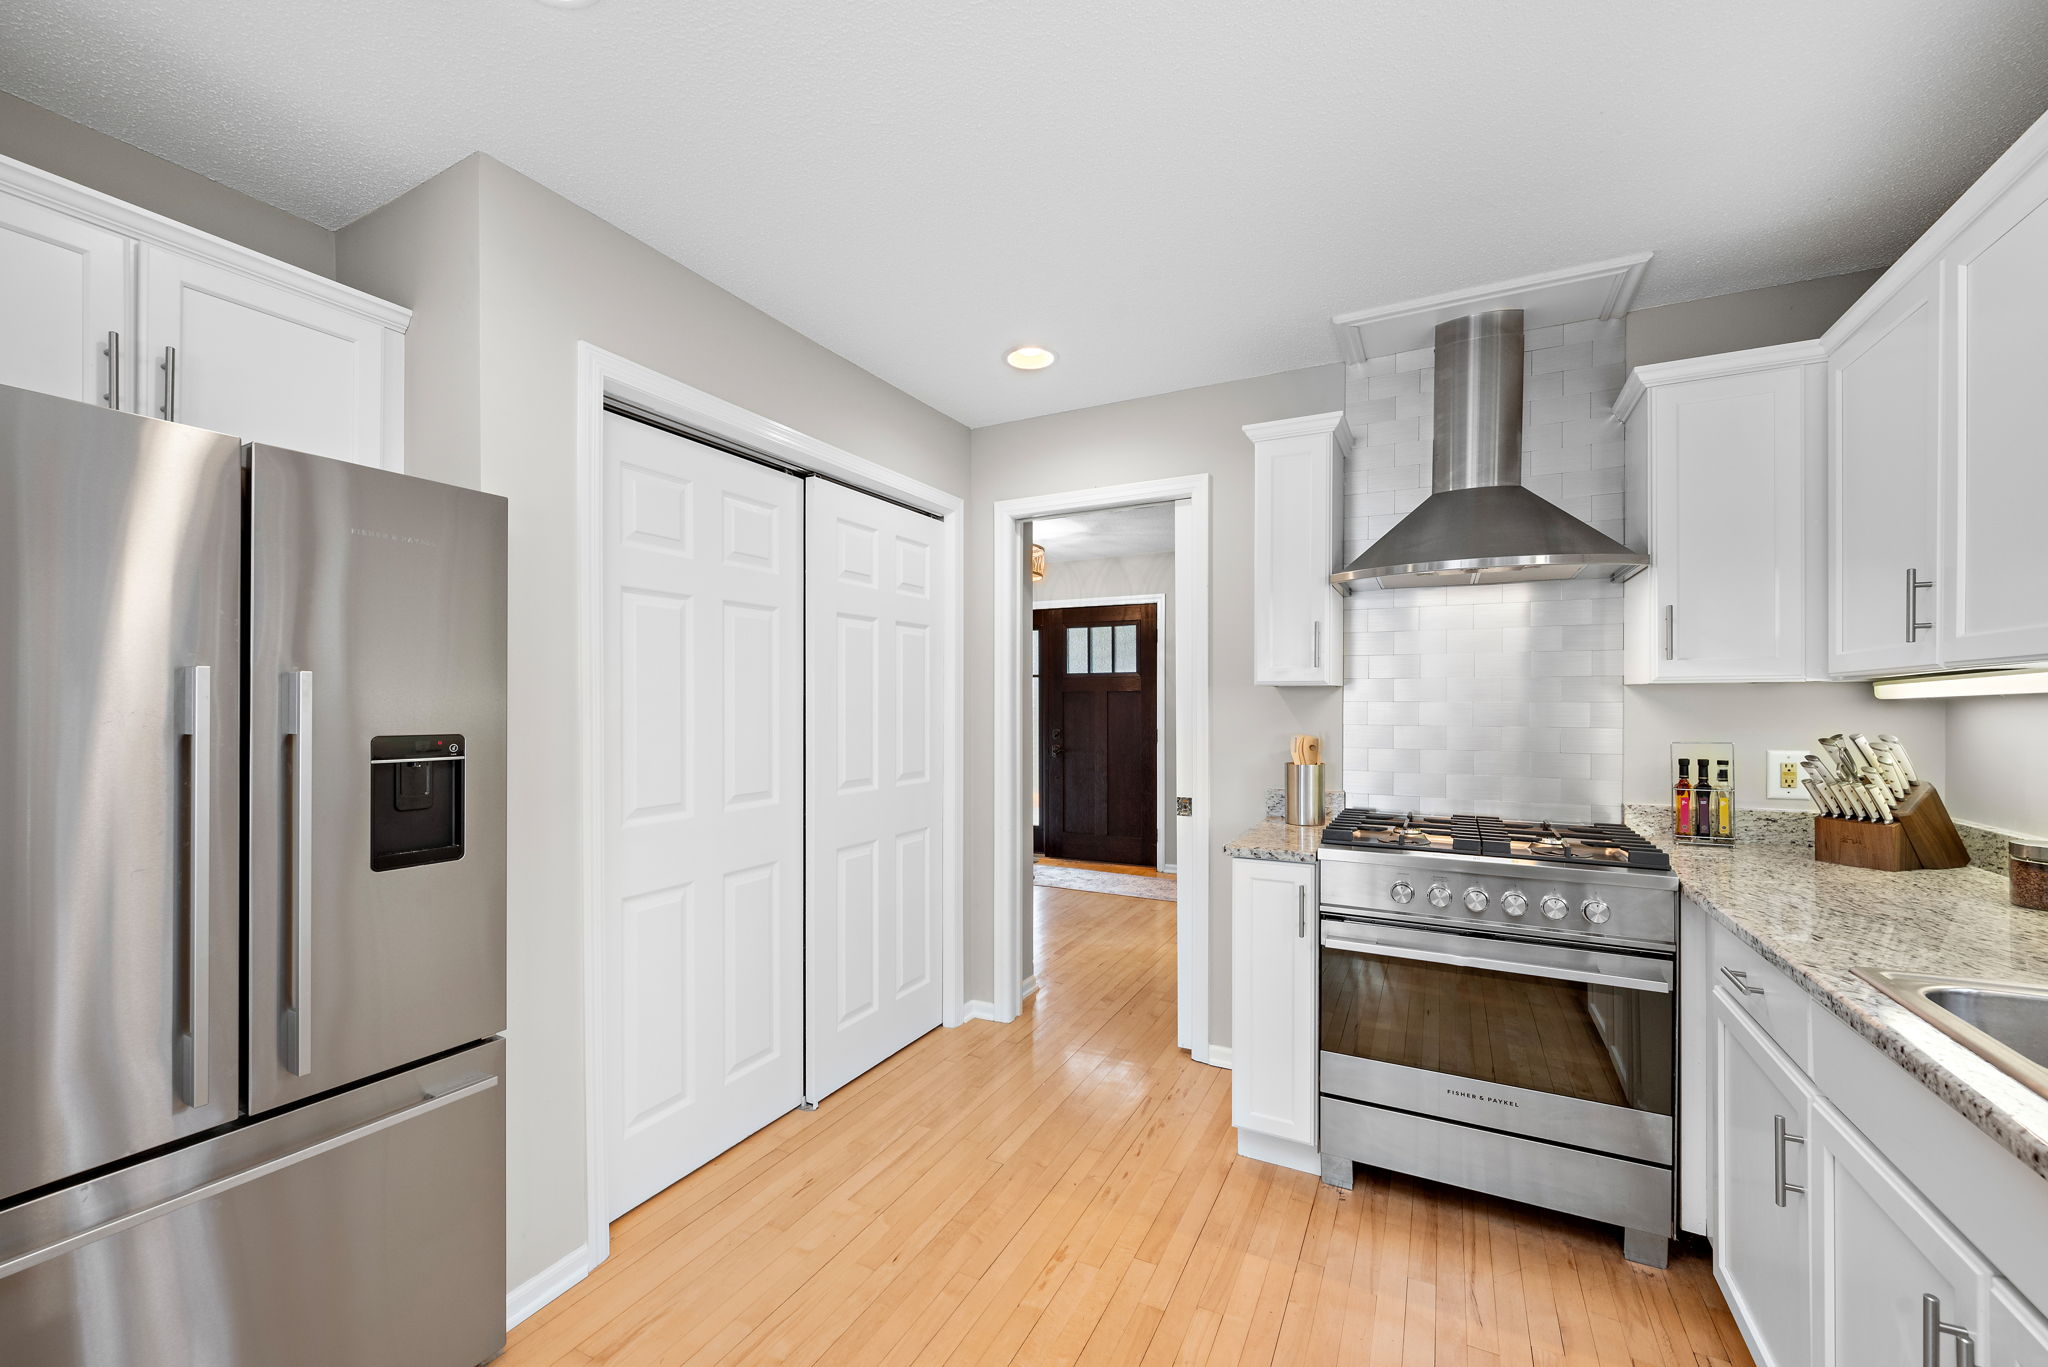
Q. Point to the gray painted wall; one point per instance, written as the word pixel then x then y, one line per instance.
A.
pixel 1192 431
pixel 547 275
pixel 1796 312
pixel 1997 753
pixel 55 144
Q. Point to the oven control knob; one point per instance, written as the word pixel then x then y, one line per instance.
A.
pixel 1475 899
pixel 1402 892
pixel 1555 907
pixel 1439 895
pixel 1513 903
pixel 1596 911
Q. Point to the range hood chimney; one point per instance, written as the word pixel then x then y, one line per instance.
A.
pixel 1479 525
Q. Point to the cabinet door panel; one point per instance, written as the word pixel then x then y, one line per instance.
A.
pixel 1296 612
pixel 1275 945
pixel 1730 484
pixel 63 288
pixel 260 362
pixel 1762 1249
pixel 1884 419
pixel 1884 1250
pixel 2018 1335
pixel 1995 486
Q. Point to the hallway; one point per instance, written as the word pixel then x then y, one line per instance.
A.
pixel 1065 1189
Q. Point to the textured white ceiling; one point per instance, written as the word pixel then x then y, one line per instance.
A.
pixel 1167 192
pixel 1107 533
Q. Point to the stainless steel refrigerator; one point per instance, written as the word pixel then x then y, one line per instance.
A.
pixel 252 881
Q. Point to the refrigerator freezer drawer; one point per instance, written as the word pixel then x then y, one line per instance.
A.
pixel 365 1228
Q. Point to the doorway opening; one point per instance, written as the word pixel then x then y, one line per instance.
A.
pixel 1102 682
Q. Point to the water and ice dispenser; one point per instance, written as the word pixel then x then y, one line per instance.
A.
pixel 415 800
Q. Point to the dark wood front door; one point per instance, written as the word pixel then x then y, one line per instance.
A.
pixel 1098 738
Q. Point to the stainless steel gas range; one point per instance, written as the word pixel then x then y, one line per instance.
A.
pixel 1498 1012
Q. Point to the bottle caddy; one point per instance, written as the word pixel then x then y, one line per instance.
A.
pixel 1703 794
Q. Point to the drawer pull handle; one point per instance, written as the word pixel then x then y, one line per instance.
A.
pixel 1741 981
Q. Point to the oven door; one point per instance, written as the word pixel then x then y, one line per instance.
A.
pixel 1549 1041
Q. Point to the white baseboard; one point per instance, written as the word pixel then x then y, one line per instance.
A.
pixel 973 1010
pixel 551 1281
pixel 1030 986
pixel 1284 1152
pixel 1219 1056
pixel 1169 868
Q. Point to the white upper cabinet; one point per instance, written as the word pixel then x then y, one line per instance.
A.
pixel 64 303
pixel 268 364
pixel 1297 614
pixel 205 332
pixel 1884 416
pixel 1935 467
pixel 1994 483
pixel 1723 475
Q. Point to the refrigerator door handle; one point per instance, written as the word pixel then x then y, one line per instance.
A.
pixel 298 725
pixel 198 727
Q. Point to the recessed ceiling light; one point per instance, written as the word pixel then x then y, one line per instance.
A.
pixel 1030 358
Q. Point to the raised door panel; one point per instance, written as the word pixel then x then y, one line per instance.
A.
pixel 702 808
pixel 1297 613
pixel 1995 480
pixel 2018 1336
pixel 1729 487
pixel 225 351
pixel 1884 1251
pixel 873 811
pixel 1274 1057
pixel 63 293
pixel 1763 1243
pixel 1884 421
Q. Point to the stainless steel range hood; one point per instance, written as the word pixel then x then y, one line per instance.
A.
pixel 1479 525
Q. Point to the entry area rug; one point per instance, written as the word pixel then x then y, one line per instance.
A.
pixel 1094 880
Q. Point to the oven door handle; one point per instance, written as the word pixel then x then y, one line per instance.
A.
pixel 1535 961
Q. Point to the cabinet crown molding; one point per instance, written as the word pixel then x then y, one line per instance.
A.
pixel 1332 425
pixel 1647 377
pixel 131 220
pixel 1573 294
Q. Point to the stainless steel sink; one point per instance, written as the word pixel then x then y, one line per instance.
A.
pixel 2004 1023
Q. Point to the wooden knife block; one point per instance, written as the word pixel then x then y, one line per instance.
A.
pixel 1921 837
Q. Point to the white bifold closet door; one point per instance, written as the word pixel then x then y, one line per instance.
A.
pixel 872 954
pixel 703 809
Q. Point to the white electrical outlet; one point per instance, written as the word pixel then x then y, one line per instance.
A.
pixel 1782 775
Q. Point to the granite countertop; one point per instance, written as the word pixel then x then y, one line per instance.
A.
pixel 1273 839
pixel 1818 921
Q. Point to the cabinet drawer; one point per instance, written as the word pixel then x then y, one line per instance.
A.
pixel 1766 995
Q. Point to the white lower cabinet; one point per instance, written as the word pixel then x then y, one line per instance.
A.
pixel 1763 1244
pixel 1883 1252
pixel 2018 1337
pixel 1274 1052
pixel 1828 1253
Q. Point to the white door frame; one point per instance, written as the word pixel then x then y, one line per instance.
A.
pixel 1010 615
pixel 602 375
pixel 1162 807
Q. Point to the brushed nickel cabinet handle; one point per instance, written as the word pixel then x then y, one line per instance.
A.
pixel 1741 981
pixel 1670 630
pixel 1914 626
pixel 112 351
pixel 1780 1138
pixel 169 366
pixel 1933 1329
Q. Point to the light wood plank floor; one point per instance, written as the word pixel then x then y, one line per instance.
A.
pixel 1065 1189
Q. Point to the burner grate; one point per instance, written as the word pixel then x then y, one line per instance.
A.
pixel 1602 844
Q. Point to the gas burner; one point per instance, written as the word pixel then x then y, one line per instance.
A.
pixel 1550 842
